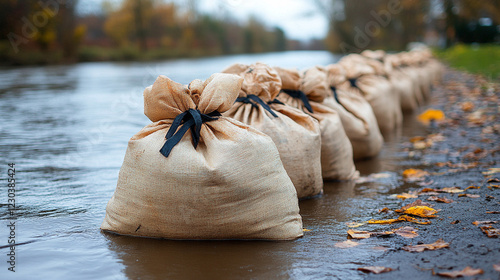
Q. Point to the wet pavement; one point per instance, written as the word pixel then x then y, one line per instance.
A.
pixel 463 153
pixel 66 128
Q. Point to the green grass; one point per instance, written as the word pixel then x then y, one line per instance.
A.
pixel 477 59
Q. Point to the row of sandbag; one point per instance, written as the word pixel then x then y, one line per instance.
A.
pixel 227 158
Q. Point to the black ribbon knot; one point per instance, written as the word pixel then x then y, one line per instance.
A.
pixel 190 119
pixel 298 94
pixel 254 100
pixel 353 82
pixel 335 95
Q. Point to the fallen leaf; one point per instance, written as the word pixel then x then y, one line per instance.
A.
pixel 469 195
pixel 493 212
pixel 494 186
pixel 355 224
pixel 417 202
pixel 358 234
pixel 384 210
pixel 451 190
pixel 305 229
pixel 406 232
pixel 422 247
pixel 455 222
pixel 439 199
pixel 467 106
pixel 362 234
pixel 414 174
pixel 404 196
pixel 496 267
pixel 421 211
pixel 490 231
pixel 492 171
pixel 381 248
pixel 417 139
pixel 375 269
pixel 476 223
pixel 472 187
pixel 346 244
pixel 407 218
pixel 388 221
pixel 420 145
pixel 493 180
pixel 468 271
pixel 431 115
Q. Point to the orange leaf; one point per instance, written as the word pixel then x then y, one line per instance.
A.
pixel 375 269
pixel 421 211
pixel 476 223
pixel 468 271
pixel 469 195
pixel 472 187
pixel 413 220
pixel 422 247
pixel 431 115
pixel 491 231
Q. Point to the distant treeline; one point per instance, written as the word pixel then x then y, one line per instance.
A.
pixel 52 31
pixel 392 24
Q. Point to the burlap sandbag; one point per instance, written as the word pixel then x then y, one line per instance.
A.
pixel 413 65
pixel 307 93
pixel 401 82
pixel 368 78
pixel 356 113
pixel 296 134
pixel 232 185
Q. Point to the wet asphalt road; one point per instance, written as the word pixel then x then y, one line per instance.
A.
pixel 466 150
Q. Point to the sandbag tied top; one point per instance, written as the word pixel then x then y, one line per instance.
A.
pixel 336 150
pixel 232 186
pixel 368 77
pixel 355 112
pixel 190 106
pixel 296 134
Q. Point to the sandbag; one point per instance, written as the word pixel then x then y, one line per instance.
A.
pixel 356 113
pixel 307 94
pixel 222 180
pixel 412 61
pixel 296 135
pixel 401 82
pixel 368 77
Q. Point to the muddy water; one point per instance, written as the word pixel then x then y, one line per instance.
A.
pixel 66 129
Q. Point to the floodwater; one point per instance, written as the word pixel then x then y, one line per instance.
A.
pixel 66 130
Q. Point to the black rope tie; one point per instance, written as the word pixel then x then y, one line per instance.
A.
pixel 190 119
pixel 335 95
pixel 298 94
pixel 256 100
pixel 353 82
pixel 275 101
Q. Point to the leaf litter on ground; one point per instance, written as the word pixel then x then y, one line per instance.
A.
pixel 439 244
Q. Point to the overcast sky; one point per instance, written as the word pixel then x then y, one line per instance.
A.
pixel 300 19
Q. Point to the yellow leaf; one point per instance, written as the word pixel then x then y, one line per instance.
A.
pixel 472 187
pixel 305 229
pixel 358 234
pixel 431 114
pixel 417 202
pixel 389 221
pixel 407 218
pixel 421 211
pixel 414 174
pixel 404 196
